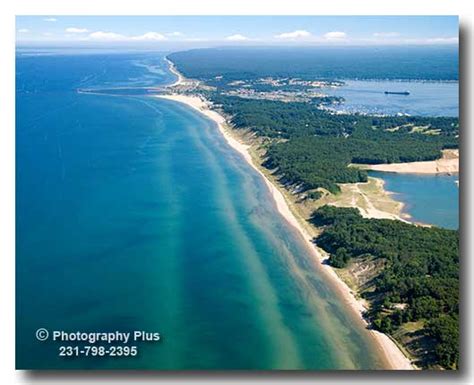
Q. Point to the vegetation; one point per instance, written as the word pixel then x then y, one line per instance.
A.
pixel 275 119
pixel 314 195
pixel 320 145
pixel 419 280
pixel 313 162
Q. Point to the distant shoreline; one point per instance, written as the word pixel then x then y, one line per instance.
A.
pixel 394 357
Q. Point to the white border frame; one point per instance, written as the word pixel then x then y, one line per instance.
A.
pixel 8 10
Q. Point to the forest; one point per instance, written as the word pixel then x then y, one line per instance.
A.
pixel 419 280
pixel 276 119
pixel 319 145
pixel 313 162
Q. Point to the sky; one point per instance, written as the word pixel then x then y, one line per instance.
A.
pixel 236 30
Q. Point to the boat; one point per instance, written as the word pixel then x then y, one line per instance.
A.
pixel 397 92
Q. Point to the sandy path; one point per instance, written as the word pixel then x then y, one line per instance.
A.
pixel 371 211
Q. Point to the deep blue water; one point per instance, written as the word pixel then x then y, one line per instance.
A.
pixel 427 98
pixel 430 199
pixel 132 213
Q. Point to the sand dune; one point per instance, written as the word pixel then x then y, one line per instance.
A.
pixel 448 164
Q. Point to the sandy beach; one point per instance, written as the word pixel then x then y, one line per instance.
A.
pixel 448 164
pixel 395 359
pixel 173 70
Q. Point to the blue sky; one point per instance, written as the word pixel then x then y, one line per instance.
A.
pixel 209 30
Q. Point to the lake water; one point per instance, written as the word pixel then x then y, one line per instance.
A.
pixel 133 213
pixel 425 99
pixel 431 199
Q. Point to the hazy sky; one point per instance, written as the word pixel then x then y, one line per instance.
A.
pixel 208 30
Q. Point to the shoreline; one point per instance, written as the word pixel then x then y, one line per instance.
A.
pixel 175 72
pixel 447 164
pixel 393 356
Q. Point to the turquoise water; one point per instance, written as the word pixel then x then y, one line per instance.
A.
pixel 132 213
pixel 430 199
pixel 427 98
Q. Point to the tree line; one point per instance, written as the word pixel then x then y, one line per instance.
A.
pixel 320 145
pixel 420 272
